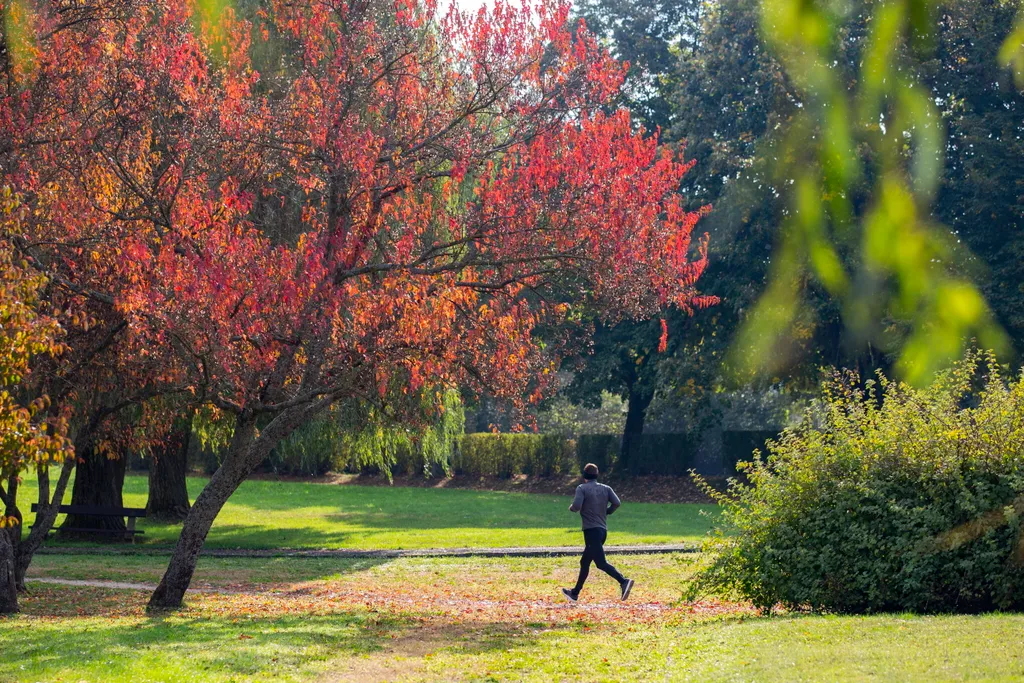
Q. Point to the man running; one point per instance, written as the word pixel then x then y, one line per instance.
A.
pixel 595 502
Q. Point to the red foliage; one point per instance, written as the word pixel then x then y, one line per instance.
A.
pixel 388 205
pixel 322 201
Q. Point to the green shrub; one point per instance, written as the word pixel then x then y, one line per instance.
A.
pixel 505 455
pixel 599 449
pixel 913 502
pixel 739 446
pixel 661 454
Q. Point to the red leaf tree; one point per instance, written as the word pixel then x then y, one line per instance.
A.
pixel 353 200
pixel 101 136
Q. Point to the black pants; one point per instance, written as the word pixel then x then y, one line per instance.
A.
pixel 594 552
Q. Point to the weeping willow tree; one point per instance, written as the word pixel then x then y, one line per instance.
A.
pixel 359 435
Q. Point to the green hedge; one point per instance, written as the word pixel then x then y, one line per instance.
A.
pixel 505 455
pixel 661 454
pixel 739 446
pixel 600 449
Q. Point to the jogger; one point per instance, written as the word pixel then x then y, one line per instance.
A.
pixel 595 502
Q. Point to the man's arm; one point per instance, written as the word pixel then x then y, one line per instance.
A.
pixel 577 502
pixel 613 501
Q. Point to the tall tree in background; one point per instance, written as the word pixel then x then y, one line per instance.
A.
pixel 981 195
pixel 626 359
pixel 731 101
pixel 168 468
pixel 647 34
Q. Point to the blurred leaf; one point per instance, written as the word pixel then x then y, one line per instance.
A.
pixel 1012 53
pixel 20 37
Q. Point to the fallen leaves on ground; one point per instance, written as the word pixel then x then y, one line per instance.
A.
pixel 426 605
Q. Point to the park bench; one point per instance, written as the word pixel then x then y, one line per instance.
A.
pixel 98 511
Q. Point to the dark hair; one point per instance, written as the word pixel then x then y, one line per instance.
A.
pixel 590 471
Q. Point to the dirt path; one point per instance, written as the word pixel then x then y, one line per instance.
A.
pixel 368 596
pixel 540 551
pixel 129 585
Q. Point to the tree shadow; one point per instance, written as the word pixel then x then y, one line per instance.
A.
pixel 210 571
pixel 175 647
pixel 275 514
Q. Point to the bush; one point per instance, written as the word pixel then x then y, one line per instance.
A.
pixel 739 446
pixel 661 454
pixel 505 455
pixel 911 503
pixel 600 449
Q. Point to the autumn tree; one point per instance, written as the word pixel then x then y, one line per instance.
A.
pixel 27 436
pixel 74 148
pixel 355 200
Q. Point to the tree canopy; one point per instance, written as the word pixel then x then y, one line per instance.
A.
pixel 285 206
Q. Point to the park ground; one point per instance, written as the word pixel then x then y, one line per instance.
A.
pixel 267 513
pixel 450 618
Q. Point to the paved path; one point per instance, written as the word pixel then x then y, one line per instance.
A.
pixel 551 551
pixel 128 585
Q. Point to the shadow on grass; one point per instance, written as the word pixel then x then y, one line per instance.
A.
pixel 179 648
pixel 215 571
pixel 279 514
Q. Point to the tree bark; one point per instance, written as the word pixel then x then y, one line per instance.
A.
pixel 12 512
pixel 640 398
pixel 8 580
pixel 99 480
pixel 245 454
pixel 168 490
pixel 45 517
pixel 236 467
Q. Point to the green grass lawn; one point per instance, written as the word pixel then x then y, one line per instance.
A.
pixel 467 619
pixel 289 514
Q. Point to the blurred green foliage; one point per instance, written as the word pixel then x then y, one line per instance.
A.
pixel 863 157
pixel 864 161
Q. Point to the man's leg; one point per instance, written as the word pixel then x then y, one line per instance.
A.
pixel 601 562
pixel 585 561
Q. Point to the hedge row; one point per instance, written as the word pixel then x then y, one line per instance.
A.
pixel 505 455
pixel 664 454
pixel 673 454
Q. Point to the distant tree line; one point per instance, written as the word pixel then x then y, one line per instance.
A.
pixel 704 77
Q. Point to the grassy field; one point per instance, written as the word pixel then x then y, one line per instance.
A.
pixel 470 619
pixel 278 514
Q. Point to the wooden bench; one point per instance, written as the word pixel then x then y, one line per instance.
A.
pixel 97 511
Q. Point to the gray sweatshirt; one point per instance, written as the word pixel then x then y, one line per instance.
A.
pixel 594 502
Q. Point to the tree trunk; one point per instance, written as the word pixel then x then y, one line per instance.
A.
pixel 45 517
pixel 168 492
pixel 8 580
pixel 98 481
pixel 12 512
pixel 245 454
pixel 237 465
pixel 640 398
